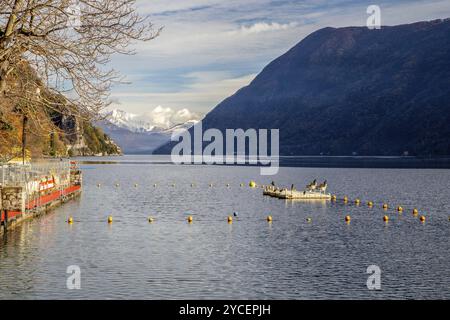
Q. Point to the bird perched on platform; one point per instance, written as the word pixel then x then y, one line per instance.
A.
pixel 323 187
pixel 312 186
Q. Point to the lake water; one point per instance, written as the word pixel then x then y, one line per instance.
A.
pixel 248 259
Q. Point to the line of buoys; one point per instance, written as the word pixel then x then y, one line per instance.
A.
pixel 110 219
pixel 269 219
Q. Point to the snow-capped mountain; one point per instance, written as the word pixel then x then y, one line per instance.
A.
pixel 129 121
pixel 142 134
pixel 142 123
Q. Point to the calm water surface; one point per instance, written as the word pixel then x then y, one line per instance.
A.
pixel 249 259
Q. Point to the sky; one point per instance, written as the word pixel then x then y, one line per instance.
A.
pixel 209 49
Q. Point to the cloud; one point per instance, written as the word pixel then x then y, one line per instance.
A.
pixel 211 48
pixel 264 27
pixel 167 117
pixel 201 91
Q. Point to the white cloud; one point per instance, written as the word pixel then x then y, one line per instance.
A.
pixel 264 27
pixel 203 91
pixel 168 117
pixel 211 48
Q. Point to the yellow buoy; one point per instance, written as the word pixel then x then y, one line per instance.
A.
pixel 333 198
pixel 386 219
pixel 309 220
pixel 370 204
pixel 110 219
pixel 269 219
pixel 357 202
pixel 422 219
pixel 230 219
pixel 252 184
pixel 348 219
pixel 70 220
pixel 399 209
pixel 190 219
pixel 150 220
pixel 415 212
pixel 345 199
pixel 385 206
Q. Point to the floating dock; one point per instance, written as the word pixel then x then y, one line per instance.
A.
pixel 28 191
pixel 295 195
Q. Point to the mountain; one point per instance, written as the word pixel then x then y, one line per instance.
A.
pixel 344 91
pixel 136 134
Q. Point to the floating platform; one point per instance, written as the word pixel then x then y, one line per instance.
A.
pixel 296 195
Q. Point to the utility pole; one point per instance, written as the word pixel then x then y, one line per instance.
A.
pixel 24 137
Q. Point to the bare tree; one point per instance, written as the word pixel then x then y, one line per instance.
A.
pixel 69 44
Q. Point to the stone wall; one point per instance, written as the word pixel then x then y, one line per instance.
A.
pixel 12 199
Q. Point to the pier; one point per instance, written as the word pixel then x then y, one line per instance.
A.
pixel 30 190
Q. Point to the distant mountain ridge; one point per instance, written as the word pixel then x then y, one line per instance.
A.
pixel 137 135
pixel 347 91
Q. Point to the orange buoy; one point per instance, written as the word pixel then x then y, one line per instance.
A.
pixel 190 219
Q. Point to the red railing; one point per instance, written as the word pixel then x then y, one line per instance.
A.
pixel 43 200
